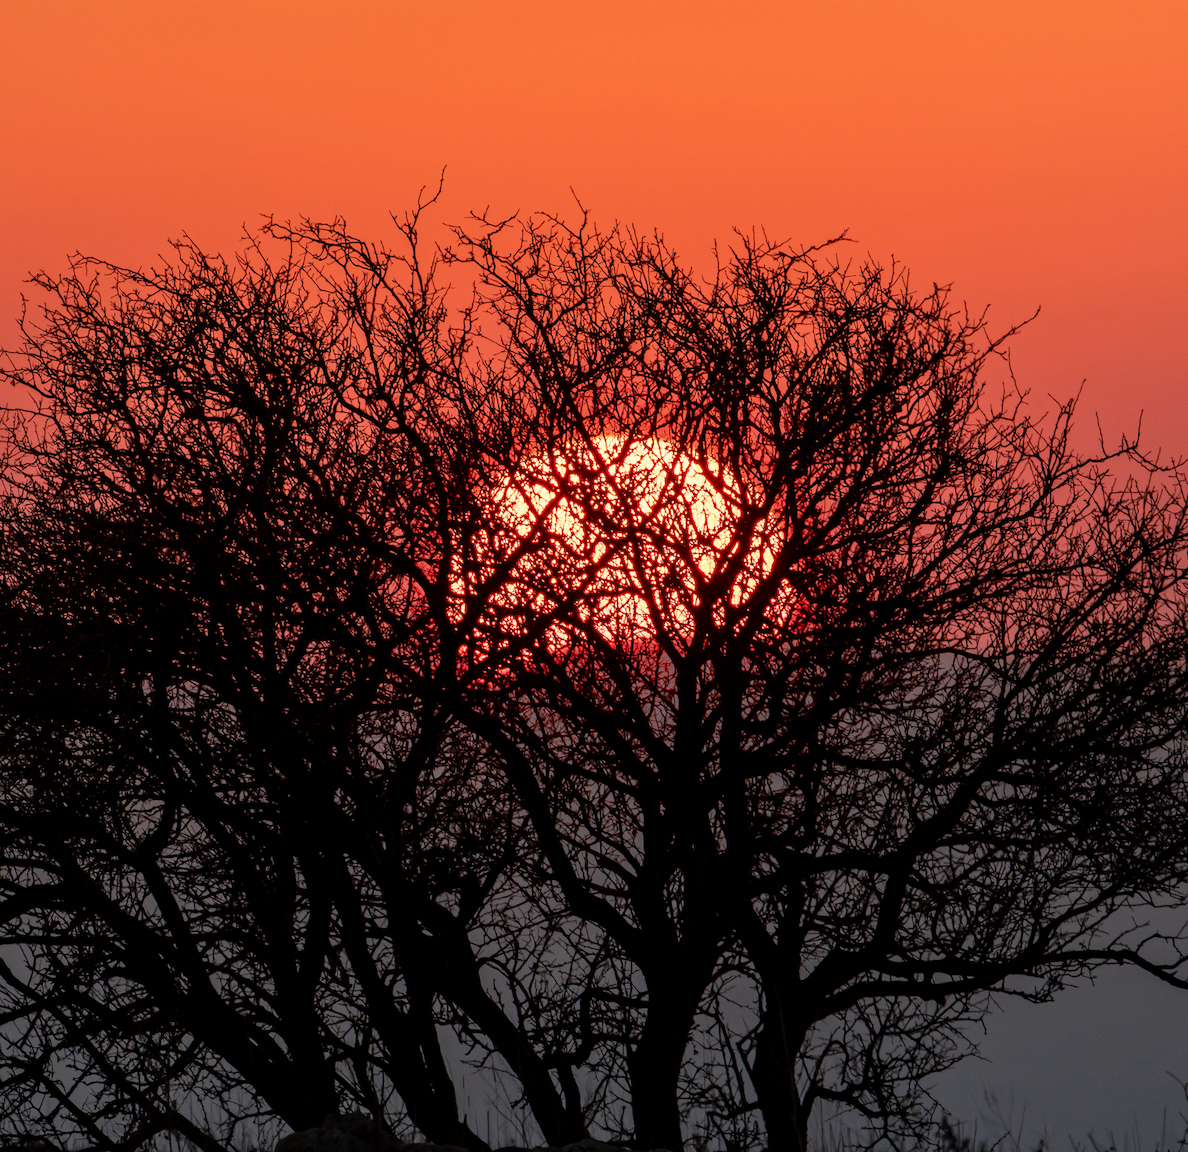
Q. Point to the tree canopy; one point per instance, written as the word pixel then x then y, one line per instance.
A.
pixel 690 699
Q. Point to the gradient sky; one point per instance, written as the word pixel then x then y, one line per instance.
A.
pixel 1032 154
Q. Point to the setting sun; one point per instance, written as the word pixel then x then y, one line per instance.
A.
pixel 648 526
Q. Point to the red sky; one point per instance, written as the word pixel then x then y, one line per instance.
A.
pixel 1030 153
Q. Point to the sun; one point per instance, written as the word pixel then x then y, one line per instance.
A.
pixel 639 534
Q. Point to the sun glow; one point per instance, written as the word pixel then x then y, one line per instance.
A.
pixel 643 533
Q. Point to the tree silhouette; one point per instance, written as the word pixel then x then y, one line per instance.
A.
pixel 694 699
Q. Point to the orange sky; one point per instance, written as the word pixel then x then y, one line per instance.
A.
pixel 1031 153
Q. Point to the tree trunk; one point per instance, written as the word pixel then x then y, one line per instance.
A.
pixel 785 1115
pixel 654 1066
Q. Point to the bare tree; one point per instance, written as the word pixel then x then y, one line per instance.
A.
pixel 695 696
pixel 233 807
pixel 900 719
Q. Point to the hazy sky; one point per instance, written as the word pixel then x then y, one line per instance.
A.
pixel 1032 154
pixel 1101 1057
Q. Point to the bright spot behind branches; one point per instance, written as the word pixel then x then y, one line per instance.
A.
pixel 640 534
